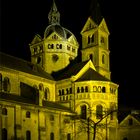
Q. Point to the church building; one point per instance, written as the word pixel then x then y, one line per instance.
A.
pixel 56 97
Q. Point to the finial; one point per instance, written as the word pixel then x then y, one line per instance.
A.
pixel 54 15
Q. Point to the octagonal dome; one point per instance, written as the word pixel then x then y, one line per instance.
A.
pixel 63 32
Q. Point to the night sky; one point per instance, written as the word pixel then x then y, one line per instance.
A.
pixel 22 19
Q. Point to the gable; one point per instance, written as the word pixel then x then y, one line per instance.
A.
pixel 36 39
pixel 54 36
pixel 88 65
pixel 72 40
pixel 90 24
pixel 130 121
pixel 103 26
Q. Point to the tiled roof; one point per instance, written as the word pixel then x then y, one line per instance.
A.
pixel 91 74
pixel 22 65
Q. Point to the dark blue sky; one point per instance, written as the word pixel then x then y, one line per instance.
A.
pixel 21 20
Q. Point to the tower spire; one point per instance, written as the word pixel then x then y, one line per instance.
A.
pixel 54 15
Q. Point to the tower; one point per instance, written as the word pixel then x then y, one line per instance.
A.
pixel 58 47
pixel 95 41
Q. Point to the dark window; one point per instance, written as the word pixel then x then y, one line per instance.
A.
pixel 103 59
pixel 41 87
pixel 59 92
pixel 4 111
pixel 28 115
pixel 88 39
pixel 4 134
pixel 82 89
pixel 70 90
pixel 103 89
pixel 52 136
pixel 99 111
pixel 130 121
pixel 83 112
pixel 68 136
pixel 91 57
pixel 38 59
pixel 46 94
pixel 78 90
pixel 62 91
pixel 94 88
pixel 28 135
pixel 86 89
pixel 6 84
pixel 92 38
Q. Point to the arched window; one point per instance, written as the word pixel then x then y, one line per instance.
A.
pixel 83 112
pixel 91 57
pixel 78 90
pixel 6 84
pixel 99 111
pixel 41 87
pixel 88 39
pixel 92 38
pixel 4 134
pixel 103 89
pixel 4 111
pixel 47 93
pixel 0 82
pixel 52 136
pixel 68 136
pixel 28 135
pixel 103 59
pixel 59 92
pixel 86 89
pixel 82 89
pixel 28 114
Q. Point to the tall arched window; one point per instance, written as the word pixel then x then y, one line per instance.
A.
pixel 82 89
pixel 86 89
pixel 99 111
pixel 91 57
pixel 4 111
pixel 4 134
pixel 92 38
pixel 52 136
pixel 47 93
pixel 41 87
pixel 103 89
pixel 28 135
pixel 83 112
pixel 0 82
pixel 68 136
pixel 6 84
pixel 103 59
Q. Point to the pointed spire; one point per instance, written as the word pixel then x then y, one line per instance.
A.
pixel 54 15
pixel 95 11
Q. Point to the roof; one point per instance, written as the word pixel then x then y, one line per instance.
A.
pixel 13 97
pixel 72 69
pixel 20 99
pixel 56 105
pixel 22 65
pixel 91 74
